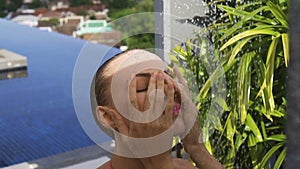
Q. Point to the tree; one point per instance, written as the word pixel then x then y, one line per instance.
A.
pixel 139 40
pixel 2 8
pixel 80 2
pixel 14 5
pixel 119 4
pixel 35 4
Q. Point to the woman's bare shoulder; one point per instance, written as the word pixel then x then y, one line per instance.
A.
pixel 104 166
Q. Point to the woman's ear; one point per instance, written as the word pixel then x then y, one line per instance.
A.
pixel 105 117
pixel 111 118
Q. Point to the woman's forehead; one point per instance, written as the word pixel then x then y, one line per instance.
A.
pixel 149 71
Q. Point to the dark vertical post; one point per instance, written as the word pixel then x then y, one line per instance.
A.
pixel 293 92
pixel 159 26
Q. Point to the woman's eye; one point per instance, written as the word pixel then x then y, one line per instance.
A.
pixel 141 90
pixel 142 82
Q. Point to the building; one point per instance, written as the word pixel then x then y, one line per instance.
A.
pixel 29 20
pixel 69 24
pixel 50 15
pixel 99 15
pixel 59 4
pixel 98 31
pixel 92 27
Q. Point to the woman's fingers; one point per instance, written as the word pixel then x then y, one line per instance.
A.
pixel 155 93
pixel 165 89
pixel 159 99
pixel 151 87
pixel 132 94
pixel 170 101
pixel 179 76
pixel 159 104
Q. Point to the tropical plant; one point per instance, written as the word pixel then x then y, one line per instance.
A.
pixel 241 71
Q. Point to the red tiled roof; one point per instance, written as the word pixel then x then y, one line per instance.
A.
pixel 52 14
pixel 39 11
pixel 83 7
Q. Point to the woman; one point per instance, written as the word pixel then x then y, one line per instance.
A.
pixel 142 104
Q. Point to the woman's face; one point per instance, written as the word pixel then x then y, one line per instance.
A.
pixel 142 82
pixel 142 96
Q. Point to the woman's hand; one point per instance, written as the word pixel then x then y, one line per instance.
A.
pixel 192 142
pixel 155 103
pixel 154 106
pixel 189 111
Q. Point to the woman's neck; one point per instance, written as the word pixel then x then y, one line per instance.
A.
pixel 119 162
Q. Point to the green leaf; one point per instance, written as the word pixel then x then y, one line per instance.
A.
pixel 280 159
pixel 205 133
pixel 278 13
pixel 285 43
pixel 242 7
pixel 230 130
pixel 237 48
pixel 269 154
pixel 252 125
pixel 173 59
pixel 263 129
pixel 252 140
pixel 239 24
pixel 265 26
pixel 244 80
pixel 247 34
pixel 208 147
pixel 217 73
pixel 267 86
pixel 222 103
pixel 277 113
pixel 228 119
pixel 240 138
pixel 260 70
pixel 242 13
pixel 180 52
pixel 268 92
pixel 277 137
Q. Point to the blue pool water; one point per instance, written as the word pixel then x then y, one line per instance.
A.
pixel 37 117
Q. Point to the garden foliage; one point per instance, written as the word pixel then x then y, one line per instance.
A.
pixel 240 62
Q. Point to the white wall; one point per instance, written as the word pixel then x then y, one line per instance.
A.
pixel 174 31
